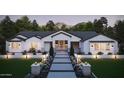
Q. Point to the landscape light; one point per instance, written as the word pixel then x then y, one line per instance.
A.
pixel 96 56
pixel 115 57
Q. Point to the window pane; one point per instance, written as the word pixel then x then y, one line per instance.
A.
pixel 15 45
pixel 66 42
pixel 56 42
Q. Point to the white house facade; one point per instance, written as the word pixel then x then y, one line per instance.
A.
pixel 85 42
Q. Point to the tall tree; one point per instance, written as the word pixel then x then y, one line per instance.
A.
pixel 79 27
pixel 23 24
pixel 7 27
pixel 104 22
pixel 89 26
pixel 98 26
pixel 50 26
pixel 119 28
pixel 35 26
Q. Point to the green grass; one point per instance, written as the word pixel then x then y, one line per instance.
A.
pixel 103 68
pixel 107 68
pixel 18 68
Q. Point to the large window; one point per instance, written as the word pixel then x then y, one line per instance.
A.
pixel 15 45
pixel 34 45
pixel 102 46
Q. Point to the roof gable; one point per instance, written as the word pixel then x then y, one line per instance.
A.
pixel 61 33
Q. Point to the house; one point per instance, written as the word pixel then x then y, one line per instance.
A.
pixel 85 42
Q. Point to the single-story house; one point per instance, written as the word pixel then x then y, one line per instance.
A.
pixel 85 42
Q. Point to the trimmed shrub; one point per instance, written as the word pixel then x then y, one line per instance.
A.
pixel 24 52
pixel 100 53
pixel 89 53
pixel 71 51
pixel 109 53
pixel 44 53
pixel 51 51
pixel 32 50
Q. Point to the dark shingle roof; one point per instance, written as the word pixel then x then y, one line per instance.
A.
pixel 84 35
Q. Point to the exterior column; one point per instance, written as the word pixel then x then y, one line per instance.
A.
pixel 69 45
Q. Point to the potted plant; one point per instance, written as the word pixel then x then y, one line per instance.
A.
pixel 109 53
pixel 100 53
pixel 32 50
pixel 24 52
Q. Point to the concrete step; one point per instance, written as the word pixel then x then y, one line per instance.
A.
pixel 62 55
pixel 61 67
pixel 61 60
pixel 61 75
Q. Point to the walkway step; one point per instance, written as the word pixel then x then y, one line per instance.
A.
pixel 61 67
pixel 61 63
pixel 61 60
pixel 61 71
pixel 61 75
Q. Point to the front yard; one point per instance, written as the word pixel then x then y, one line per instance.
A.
pixel 102 68
pixel 107 68
pixel 16 68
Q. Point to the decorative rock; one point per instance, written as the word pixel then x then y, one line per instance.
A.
pixel 35 69
pixel 86 69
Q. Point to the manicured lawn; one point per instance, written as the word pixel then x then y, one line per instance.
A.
pixel 107 68
pixel 18 68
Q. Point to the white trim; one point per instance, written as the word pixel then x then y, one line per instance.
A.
pixel 60 32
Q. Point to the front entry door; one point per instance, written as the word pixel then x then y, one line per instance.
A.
pixel 61 44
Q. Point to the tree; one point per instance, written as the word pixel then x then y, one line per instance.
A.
pixel 2 44
pixel 50 26
pixel 110 32
pixel 79 27
pixel 35 26
pixel 23 24
pixel 119 28
pixel 89 26
pixel 98 26
pixel 105 23
pixel 7 27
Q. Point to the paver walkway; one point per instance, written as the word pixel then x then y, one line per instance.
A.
pixel 61 66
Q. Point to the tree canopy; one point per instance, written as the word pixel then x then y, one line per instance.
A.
pixel 9 27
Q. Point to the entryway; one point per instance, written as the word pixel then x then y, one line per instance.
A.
pixel 61 66
pixel 61 44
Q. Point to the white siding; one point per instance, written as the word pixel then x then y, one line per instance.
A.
pixel 27 43
pixel 9 49
pixel 87 48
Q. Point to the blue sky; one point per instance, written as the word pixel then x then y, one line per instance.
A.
pixel 68 19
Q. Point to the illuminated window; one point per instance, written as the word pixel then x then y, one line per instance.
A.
pixel 102 46
pixel 96 46
pixel 107 46
pixel 15 45
pixel 34 45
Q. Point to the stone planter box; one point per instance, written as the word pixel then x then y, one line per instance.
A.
pixel 35 69
pixel 86 69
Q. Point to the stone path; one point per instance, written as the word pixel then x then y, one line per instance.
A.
pixel 61 67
